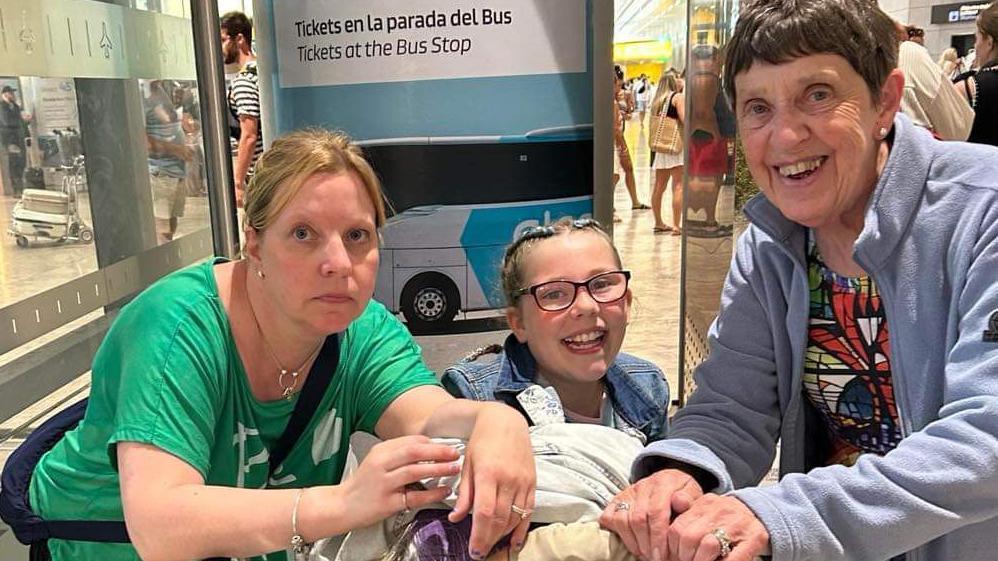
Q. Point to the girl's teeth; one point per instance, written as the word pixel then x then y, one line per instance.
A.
pixel 585 337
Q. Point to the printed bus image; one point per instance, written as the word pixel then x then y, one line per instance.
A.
pixel 487 132
pixel 458 202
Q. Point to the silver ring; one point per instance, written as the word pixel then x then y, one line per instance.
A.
pixel 405 501
pixel 523 513
pixel 621 505
pixel 723 540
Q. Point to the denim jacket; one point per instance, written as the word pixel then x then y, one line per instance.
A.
pixel 637 389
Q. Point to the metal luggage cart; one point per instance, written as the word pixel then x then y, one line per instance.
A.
pixel 52 215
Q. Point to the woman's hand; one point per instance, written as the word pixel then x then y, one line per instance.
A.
pixel 641 514
pixel 377 489
pixel 172 515
pixel 694 534
pixel 499 474
pixel 499 470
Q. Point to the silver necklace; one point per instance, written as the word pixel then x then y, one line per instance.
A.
pixel 286 390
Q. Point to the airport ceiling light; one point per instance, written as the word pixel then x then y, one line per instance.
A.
pixel 643 51
pixel 642 20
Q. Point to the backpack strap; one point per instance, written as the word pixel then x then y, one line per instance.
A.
pixel 108 531
pixel 15 509
pixel 311 395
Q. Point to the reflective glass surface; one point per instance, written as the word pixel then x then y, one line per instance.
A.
pixel 102 188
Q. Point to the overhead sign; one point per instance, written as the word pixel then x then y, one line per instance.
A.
pixel 958 13
pixel 326 43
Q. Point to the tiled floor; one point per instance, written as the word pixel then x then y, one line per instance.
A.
pixel 43 265
pixel 654 260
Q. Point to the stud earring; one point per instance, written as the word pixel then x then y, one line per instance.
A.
pixel 882 132
pixel 259 273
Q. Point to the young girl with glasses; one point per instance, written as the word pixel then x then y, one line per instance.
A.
pixel 568 303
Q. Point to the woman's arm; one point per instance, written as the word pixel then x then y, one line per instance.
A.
pixel 172 515
pixel 941 477
pixel 618 132
pixel 499 470
pixel 431 411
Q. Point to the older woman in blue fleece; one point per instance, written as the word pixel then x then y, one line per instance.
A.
pixel 858 324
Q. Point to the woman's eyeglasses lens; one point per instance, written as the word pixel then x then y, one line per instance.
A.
pixel 558 295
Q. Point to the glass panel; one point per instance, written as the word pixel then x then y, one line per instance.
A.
pixel 176 156
pixel 101 169
pixel 709 201
pixel 48 225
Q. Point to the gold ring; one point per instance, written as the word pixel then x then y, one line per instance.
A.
pixel 524 513
pixel 405 501
pixel 723 540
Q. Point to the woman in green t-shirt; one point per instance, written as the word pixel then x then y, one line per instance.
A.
pixel 198 377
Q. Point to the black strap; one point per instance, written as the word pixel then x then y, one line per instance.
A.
pixel 664 107
pixel 311 395
pixel 106 531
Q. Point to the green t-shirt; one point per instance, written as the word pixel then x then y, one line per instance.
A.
pixel 168 374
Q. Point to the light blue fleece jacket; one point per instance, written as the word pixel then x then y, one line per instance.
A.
pixel 930 242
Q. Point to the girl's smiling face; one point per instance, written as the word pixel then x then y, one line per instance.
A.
pixel 580 342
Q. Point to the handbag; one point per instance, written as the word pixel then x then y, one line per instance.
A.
pixel 667 133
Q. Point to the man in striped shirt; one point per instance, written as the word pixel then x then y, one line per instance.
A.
pixel 243 95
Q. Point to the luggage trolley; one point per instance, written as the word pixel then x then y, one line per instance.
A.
pixel 52 215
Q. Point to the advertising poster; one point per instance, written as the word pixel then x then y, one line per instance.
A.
pixel 477 116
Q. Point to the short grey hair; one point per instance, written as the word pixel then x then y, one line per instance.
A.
pixel 778 31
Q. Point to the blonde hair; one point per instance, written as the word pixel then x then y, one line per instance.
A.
pixel 668 83
pixel 949 55
pixel 295 157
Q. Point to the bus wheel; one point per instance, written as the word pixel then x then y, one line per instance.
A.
pixel 429 301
